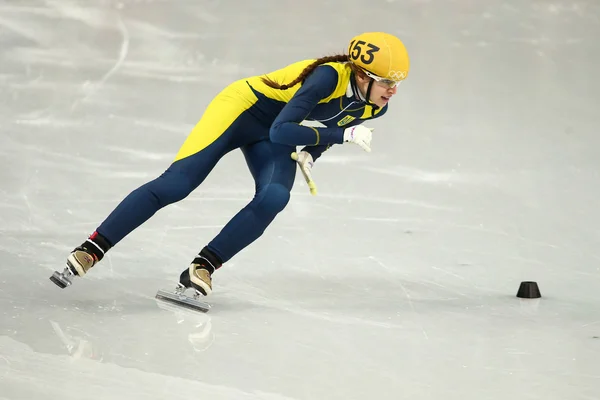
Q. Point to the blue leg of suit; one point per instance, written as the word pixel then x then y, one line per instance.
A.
pixel 274 172
pixel 270 164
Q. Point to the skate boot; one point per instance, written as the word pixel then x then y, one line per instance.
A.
pixel 81 259
pixel 196 276
pixel 199 274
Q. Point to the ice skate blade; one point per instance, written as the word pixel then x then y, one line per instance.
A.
pixel 60 280
pixel 182 300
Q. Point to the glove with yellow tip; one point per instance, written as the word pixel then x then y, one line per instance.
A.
pixel 305 161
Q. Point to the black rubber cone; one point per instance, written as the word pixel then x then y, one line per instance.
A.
pixel 529 290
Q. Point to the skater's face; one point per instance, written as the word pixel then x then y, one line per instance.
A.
pixel 381 93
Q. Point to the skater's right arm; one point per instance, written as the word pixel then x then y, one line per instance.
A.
pixel 286 128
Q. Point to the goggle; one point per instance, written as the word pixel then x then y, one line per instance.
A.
pixel 385 82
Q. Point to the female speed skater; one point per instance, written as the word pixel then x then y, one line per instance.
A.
pixel 261 115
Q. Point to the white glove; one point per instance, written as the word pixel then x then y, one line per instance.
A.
pixel 305 161
pixel 361 135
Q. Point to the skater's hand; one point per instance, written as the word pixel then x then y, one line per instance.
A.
pixel 360 135
pixel 305 161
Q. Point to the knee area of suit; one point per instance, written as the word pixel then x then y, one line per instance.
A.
pixel 272 199
pixel 170 187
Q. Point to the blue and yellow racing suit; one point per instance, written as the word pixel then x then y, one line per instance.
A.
pixel 265 123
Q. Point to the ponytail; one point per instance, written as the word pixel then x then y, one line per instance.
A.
pixel 307 71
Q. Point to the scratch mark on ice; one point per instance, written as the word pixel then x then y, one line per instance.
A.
pixel 122 55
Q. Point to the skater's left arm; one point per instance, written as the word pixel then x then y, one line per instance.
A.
pixel 318 150
pixel 286 128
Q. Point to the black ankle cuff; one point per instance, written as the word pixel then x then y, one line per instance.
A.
pixel 100 241
pixel 98 246
pixel 214 262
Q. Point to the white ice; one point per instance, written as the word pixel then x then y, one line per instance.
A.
pixel 397 281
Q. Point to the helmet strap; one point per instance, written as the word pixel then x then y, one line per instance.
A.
pixel 368 95
pixel 355 88
pixel 368 100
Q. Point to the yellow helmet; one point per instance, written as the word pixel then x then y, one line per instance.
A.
pixel 381 55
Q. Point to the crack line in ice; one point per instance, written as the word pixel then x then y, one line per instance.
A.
pixel 410 302
pixel 255 298
pixel 448 273
pixel 7 365
pixel 122 55
pixel 140 154
pixel 386 200
pixel 590 324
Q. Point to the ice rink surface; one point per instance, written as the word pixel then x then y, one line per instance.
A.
pixel 397 281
